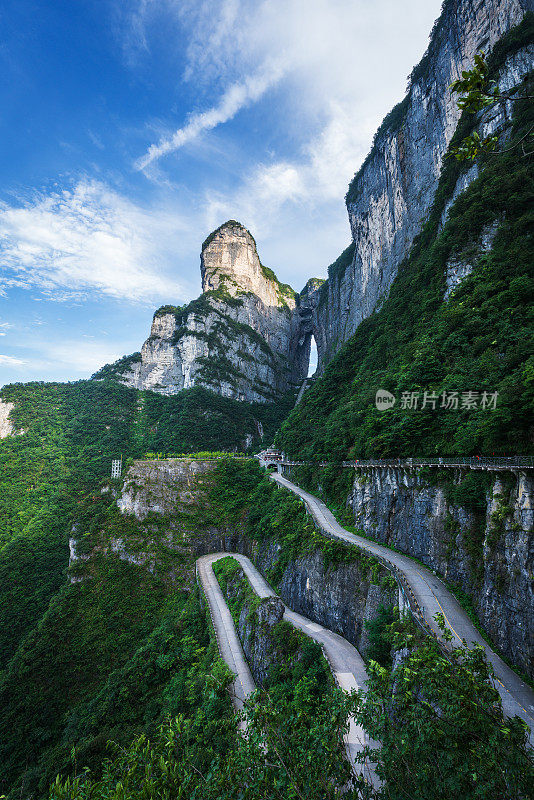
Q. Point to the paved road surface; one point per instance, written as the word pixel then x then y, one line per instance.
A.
pixel 345 661
pixel 433 597
pixel 223 624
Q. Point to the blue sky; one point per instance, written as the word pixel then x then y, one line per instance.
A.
pixel 130 129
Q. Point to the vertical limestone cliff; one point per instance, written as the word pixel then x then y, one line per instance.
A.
pixel 6 428
pixel 248 336
pixel 391 195
pixel 475 530
pixel 240 338
pixel 6 425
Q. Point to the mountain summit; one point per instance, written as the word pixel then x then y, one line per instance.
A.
pixel 242 338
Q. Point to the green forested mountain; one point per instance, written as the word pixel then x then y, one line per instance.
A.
pixel 120 649
pixel 71 433
pixel 55 658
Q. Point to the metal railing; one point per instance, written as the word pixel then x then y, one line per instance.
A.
pixel 471 462
pixel 454 462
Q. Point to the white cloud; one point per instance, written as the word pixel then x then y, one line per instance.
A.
pixel 318 179
pixel 235 98
pixel 340 66
pixel 10 361
pixel 78 357
pixel 88 240
pixel 4 327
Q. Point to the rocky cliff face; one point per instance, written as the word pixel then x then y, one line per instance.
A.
pixel 6 428
pixel 255 630
pixel 391 195
pixel 257 625
pixel 487 552
pixel 340 597
pixel 241 338
pixel 483 546
pixel 161 525
pixel 248 336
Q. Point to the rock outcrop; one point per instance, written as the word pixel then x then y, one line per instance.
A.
pixel 341 597
pixel 248 336
pixel 6 428
pixel 460 266
pixel 257 625
pixel 391 195
pixel 241 338
pixel 487 552
pixel 162 527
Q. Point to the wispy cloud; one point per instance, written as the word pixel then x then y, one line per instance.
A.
pixel 235 98
pixel 88 240
pixel 343 66
pixel 73 357
pixel 4 327
pixel 10 361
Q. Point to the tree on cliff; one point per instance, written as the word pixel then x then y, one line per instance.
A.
pixel 480 94
pixel 441 725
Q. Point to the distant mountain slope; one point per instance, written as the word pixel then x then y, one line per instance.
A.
pixel 71 432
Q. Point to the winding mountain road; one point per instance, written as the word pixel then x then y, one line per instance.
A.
pixel 433 597
pixel 345 661
pixel 225 632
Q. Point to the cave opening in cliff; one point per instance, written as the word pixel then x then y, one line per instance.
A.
pixel 313 357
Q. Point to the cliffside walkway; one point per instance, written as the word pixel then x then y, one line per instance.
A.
pixel 428 596
pixel 344 659
pixel 492 463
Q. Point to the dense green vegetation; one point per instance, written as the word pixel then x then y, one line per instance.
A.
pixel 452 738
pixel 290 752
pixel 32 569
pixel 115 652
pixel 89 629
pixel 380 649
pixel 71 433
pixel 479 340
pixel 124 652
pixel 197 419
pixel 243 496
pixel 51 477
pixel 73 430
pixel 292 747
pixel 120 656
pixel 422 705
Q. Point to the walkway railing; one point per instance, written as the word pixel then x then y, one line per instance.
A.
pixel 454 462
